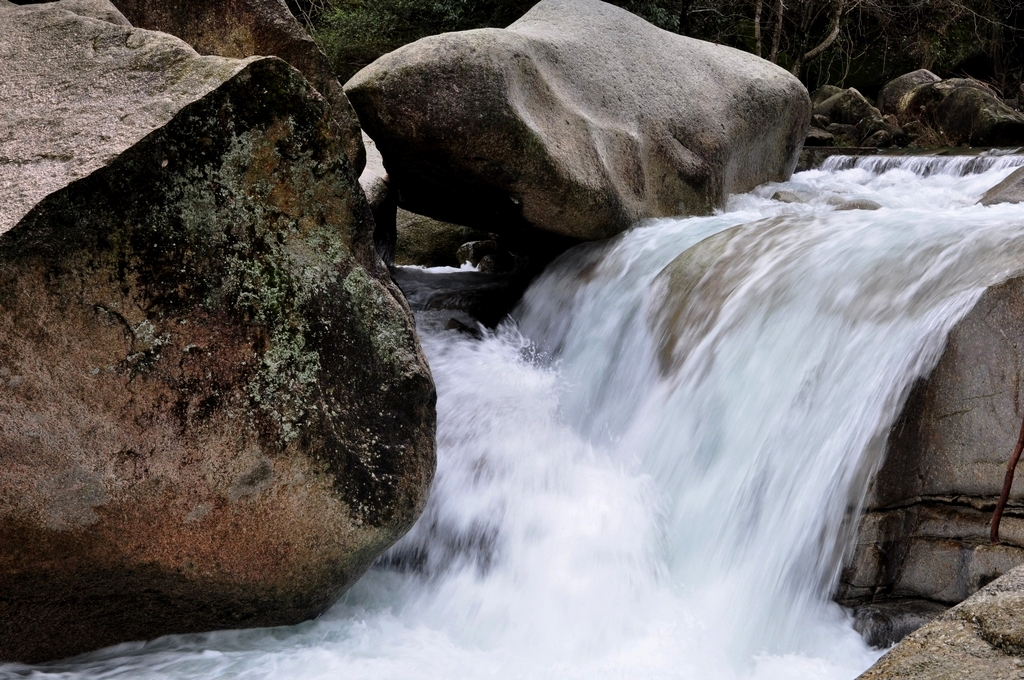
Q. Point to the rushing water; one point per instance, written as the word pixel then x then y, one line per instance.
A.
pixel 597 514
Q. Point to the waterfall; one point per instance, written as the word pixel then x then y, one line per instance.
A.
pixel 601 511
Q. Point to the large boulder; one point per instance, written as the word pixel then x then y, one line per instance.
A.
pixel 579 119
pixel 983 637
pixel 925 530
pixel 892 95
pixel 245 28
pixel 213 408
pixel 970 115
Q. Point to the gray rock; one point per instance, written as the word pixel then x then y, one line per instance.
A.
pixel 244 28
pixel 878 138
pixel 1010 190
pixel 982 637
pixel 214 412
pixel 859 204
pixel 430 243
pixel 848 107
pixel 890 98
pixel 383 202
pixel 579 119
pixel 969 115
pixel 819 137
pixel 787 197
pixel 823 93
pixel 920 103
pixel 884 624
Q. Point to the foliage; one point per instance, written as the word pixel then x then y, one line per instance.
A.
pixel 861 43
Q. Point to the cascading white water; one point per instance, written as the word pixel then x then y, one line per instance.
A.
pixel 598 516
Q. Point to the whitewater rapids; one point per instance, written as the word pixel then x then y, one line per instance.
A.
pixel 597 516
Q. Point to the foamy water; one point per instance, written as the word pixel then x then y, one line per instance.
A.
pixel 598 515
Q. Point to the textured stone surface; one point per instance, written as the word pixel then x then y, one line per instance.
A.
pixel 925 531
pixel 213 410
pixel 578 119
pixel 1010 190
pixel 969 115
pixel 245 28
pixel 983 637
pixel 892 95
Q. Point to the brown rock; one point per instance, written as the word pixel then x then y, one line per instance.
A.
pixel 213 410
pixel 244 28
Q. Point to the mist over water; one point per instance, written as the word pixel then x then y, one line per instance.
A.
pixel 605 507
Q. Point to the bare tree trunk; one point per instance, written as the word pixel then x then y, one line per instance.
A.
pixel 777 33
pixel 757 27
pixel 824 44
pixel 1007 483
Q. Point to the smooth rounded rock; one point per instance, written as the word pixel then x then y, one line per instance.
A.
pixel 891 96
pixel 579 119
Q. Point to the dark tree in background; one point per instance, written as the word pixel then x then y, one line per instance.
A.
pixel 858 43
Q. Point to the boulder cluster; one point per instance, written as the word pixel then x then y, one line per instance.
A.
pixel 918 109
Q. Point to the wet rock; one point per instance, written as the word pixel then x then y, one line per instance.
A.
pixel 859 204
pixel 578 119
pixel 885 623
pixel 969 115
pixel 245 28
pixel 1010 190
pixel 818 137
pixel 891 97
pixel 787 197
pixel 213 410
pixel 431 243
pixel 983 637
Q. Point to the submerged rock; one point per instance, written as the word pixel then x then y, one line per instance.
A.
pixel 213 409
pixel 579 119
pixel 246 28
pixel 983 637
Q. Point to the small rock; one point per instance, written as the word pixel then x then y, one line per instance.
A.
pixel 820 121
pixel 859 204
pixel 823 93
pixel 784 196
pixel 819 137
pixel 879 138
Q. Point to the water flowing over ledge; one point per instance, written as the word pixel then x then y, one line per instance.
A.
pixel 924 166
pixel 601 513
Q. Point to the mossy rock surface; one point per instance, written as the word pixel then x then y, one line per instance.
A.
pixel 214 412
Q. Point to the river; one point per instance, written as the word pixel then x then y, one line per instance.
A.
pixel 597 514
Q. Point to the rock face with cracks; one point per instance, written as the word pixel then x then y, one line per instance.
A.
pixel 925 531
pixel 246 28
pixel 578 119
pixel 213 409
pixel 983 637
